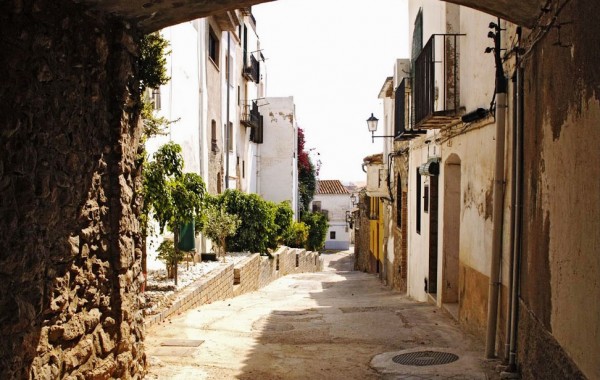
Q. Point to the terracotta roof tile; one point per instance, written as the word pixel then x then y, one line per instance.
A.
pixel 331 186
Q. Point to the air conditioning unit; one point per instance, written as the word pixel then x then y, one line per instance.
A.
pixel 431 167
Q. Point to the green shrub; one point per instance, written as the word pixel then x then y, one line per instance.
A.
pixel 296 235
pixel 284 217
pixel 219 225
pixel 166 252
pixel 257 231
pixel 317 230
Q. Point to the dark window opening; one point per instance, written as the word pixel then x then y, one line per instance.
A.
pixel 399 202
pixel 316 206
pixel 332 235
pixel 418 205
pixel 213 47
pixel 213 137
pixel 426 199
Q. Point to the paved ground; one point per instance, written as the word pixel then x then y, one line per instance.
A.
pixel 337 324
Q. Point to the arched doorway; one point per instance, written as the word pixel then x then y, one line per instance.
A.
pixel 451 232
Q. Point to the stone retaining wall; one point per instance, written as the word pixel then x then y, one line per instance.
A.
pixel 246 276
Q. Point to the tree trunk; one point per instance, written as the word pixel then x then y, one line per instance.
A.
pixel 176 241
pixel 144 264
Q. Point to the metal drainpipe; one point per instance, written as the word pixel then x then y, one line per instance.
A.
pixel 512 221
pixel 516 270
pixel 492 317
pixel 227 137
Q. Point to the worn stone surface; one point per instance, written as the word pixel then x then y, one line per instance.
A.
pixel 68 138
pixel 561 265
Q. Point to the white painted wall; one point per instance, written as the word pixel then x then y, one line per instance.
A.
pixel 336 205
pixel 475 148
pixel 278 168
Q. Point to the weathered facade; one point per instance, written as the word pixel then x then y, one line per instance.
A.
pixel 453 226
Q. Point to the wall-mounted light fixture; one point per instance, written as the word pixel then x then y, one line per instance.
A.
pixel 353 199
pixel 372 125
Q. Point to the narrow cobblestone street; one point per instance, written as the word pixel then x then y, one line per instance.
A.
pixel 336 324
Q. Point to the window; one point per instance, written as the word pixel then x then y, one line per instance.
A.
pixel 213 47
pixel 213 137
pixel 316 206
pixel 230 137
pixel 156 99
pixel 418 203
pixel 243 169
pixel 331 235
pixel 426 198
pixel 399 202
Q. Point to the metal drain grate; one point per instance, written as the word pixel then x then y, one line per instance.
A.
pixel 424 358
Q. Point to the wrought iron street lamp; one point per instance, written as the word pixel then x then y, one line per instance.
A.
pixel 372 125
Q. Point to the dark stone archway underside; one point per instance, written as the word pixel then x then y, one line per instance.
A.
pixel 151 15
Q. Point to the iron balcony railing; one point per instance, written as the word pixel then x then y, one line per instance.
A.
pixel 435 83
pixel 403 128
pixel 252 70
pixel 251 116
pixel 402 107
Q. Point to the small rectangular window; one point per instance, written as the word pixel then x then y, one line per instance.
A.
pixel 213 47
pixel 316 206
pixel 230 137
pixel 418 203
pixel 331 235
pixel 426 199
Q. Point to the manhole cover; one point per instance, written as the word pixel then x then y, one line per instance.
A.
pixel 424 358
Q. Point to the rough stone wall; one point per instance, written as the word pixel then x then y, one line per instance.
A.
pixel 362 253
pixel 561 264
pixel 400 230
pixel 69 242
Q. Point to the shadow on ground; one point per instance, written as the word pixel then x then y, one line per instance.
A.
pixel 352 318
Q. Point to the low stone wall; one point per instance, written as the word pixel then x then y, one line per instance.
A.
pixel 246 276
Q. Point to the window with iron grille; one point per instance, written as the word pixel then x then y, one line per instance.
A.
pixel 402 107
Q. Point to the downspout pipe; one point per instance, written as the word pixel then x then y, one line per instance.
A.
pixel 227 137
pixel 498 198
pixel 516 270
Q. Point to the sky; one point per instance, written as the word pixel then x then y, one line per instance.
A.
pixel 333 57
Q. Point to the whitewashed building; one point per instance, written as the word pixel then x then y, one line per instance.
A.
pixel 277 166
pixel 333 199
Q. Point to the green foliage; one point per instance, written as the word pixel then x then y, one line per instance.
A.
pixel 152 125
pixel 152 61
pixel 167 253
pixel 307 185
pixel 219 225
pixel 173 197
pixel 296 235
pixel 284 217
pixel 257 230
pixel 317 230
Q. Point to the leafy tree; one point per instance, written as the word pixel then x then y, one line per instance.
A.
pixel 307 181
pixel 152 61
pixel 317 230
pixel 174 198
pixel 257 230
pixel 219 225
pixel 168 254
pixel 296 235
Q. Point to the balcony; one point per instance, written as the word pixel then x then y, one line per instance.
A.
pixel 436 83
pixel 402 113
pixel 251 116
pixel 252 70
